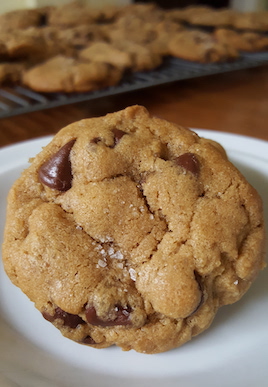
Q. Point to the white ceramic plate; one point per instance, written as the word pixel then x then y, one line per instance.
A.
pixel 233 352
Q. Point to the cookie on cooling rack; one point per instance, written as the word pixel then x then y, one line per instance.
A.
pixel 22 19
pixel 242 41
pixel 65 74
pixel 11 72
pixel 130 230
pixel 199 46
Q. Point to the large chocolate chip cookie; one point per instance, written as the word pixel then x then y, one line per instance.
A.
pixel 129 230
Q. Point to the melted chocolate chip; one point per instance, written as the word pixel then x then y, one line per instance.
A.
pixel 118 134
pixel 190 162
pixel 88 340
pixel 43 20
pixel 198 279
pixel 95 140
pixel 122 317
pixel 69 320
pixel 56 173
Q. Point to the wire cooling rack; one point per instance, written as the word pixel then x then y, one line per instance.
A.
pixel 18 100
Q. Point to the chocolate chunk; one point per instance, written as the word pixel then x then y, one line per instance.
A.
pixel 69 320
pixel 48 316
pixel 43 20
pixel 118 134
pixel 198 279
pixel 122 317
pixel 95 140
pixel 88 340
pixel 56 172
pixel 189 162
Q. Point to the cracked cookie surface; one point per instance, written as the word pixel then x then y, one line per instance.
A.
pixel 130 230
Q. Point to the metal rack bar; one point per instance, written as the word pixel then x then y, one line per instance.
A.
pixel 14 98
pixel 173 69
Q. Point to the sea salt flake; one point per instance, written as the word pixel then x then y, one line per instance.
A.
pixel 105 239
pixel 103 252
pixel 236 282
pixel 111 251
pixel 120 265
pixel 79 227
pixel 117 255
pixel 151 216
pixel 102 263
pixel 133 274
pixel 58 284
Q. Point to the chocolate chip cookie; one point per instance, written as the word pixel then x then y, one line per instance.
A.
pixel 103 52
pixel 199 46
pixel 130 230
pixel 70 15
pixel 256 21
pixel 243 41
pixel 143 57
pixel 11 73
pixel 212 18
pixel 22 19
pixel 62 73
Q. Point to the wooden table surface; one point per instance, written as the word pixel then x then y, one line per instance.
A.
pixel 235 102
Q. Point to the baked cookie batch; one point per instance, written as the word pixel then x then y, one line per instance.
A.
pixel 130 230
pixel 75 48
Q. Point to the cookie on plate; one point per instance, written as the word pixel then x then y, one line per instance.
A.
pixel 130 230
